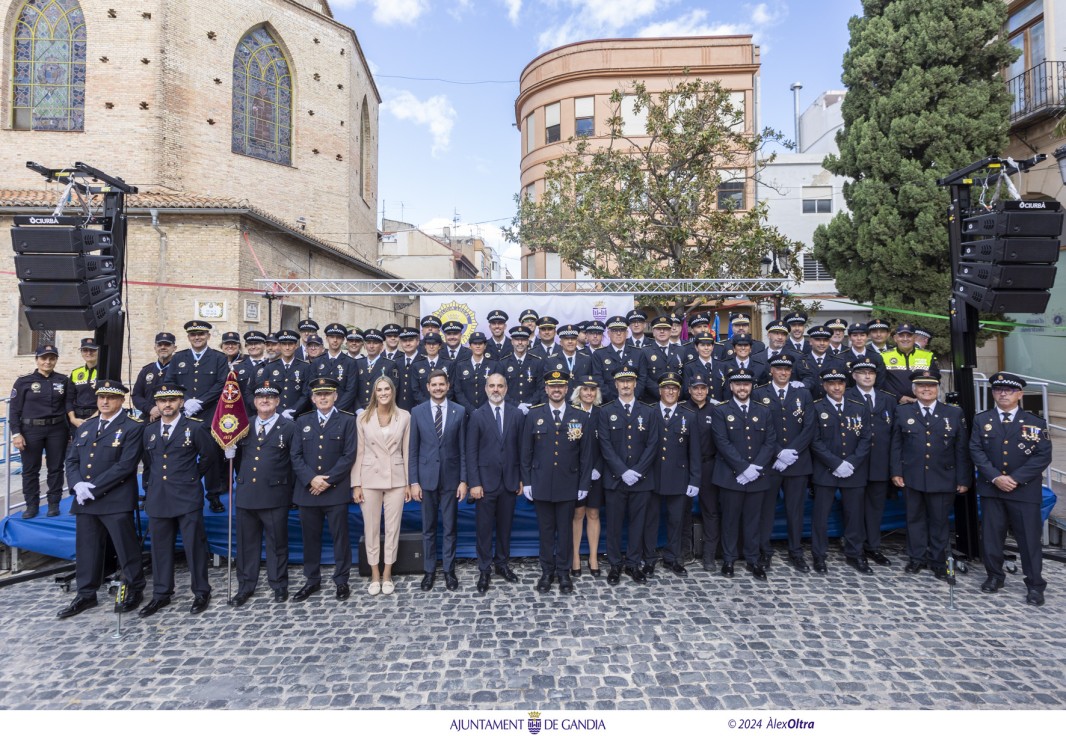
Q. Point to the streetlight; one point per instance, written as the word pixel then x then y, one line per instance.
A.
pixel 770 266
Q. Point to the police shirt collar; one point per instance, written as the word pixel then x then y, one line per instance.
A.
pixel 743 405
pixel 196 356
pixel 931 407
pixel 325 417
pixel 266 424
pixel 1010 414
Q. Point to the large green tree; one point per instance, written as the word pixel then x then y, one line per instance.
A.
pixel 924 98
pixel 649 205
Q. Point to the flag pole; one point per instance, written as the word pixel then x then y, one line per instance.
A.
pixel 229 541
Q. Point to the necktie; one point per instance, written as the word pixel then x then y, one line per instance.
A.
pixel 781 394
pixel 744 411
pixel 408 362
pixel 839 408
pixel 557 417
pixel 666 415
pixel 261 433
pixel 322 421
pixel 743 365
pixel 166 431
pixel 773 355
pixel 869 402
pixel 101 427
pixel 570 365
pixel 499 420
pixel 438 422
pixel 629 411
pixel 1006 418
pixel 451 353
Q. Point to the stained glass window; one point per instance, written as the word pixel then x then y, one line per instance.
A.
pixel 262 99
pixel 48 90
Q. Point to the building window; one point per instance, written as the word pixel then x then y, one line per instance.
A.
pixel 529 265
pixel 817 200
pixel 1025 29
pixel 530 192
pixel 364 149
pixel 736 99
pixel 731 191
pixel 813 270
pixel 633 122
pixel 262 99
pixel 530 131
pixel 29 340
pixel 290 316
pixel 584 121
pixel 551 123
pixel 48 90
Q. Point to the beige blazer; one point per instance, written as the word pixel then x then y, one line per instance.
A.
pixel 381 455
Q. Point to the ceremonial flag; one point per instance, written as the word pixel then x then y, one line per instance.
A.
pixel 230 422
pixel 716 319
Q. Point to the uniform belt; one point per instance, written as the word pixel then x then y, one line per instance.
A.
pixel 46 422
pixel 84 413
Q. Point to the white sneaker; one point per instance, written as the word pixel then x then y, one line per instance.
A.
pixel 387 587
pixel 374 588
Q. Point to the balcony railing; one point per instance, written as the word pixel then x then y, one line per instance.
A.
pixel 1038 92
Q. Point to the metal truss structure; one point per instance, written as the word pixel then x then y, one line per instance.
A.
pixel 714 288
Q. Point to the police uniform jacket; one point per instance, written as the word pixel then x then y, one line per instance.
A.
pixel 659 360
pixel 828 360
pixel 524 379
pixel 705 434
pixel 802 370
pixel 292 380
pixel 559 362
pixel 174 468
pixel 143 394
pixel 742 440
pixel 461 353
pixel 677 460
pixel 756 364
pixel 724 349
pixel 84 380
pixel 794 423
pixel 713 375
pixel 557 459
pixel 470 380
pixel 848 358
pixel 203 379
pixel 405 381
pixel 1021 449
pixel 328 451
pixel 628 443
pixel 40 401
pixel 346 370
pixel 264 467
pixel 931 455
pixel 498 352
pixel 537 348
pixel 367 375
pixel 608 361
pixel 882 417
pixel 108 461
pixel 840 437
pixel 420 371
pixel 493 459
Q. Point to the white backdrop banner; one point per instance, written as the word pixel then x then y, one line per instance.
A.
pixel 473 309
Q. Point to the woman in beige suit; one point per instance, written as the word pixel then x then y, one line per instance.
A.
pixel 379 478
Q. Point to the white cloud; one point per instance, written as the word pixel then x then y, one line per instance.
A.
pixel 435 113
pixel 693 23
pixel 389 12
pixel 764 15
pixel 596 19
pixel 514 7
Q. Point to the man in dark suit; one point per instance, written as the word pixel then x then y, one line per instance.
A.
pixel 882 406
pixel 246 367
pixel 637 322
pixel 322 452
pixel 372 365
pixel 1011 449
pixel 263 496
pixel 567 358
pixel 790 407
pixel 471 375
pixel 523 372
pixel 556 471
pixel 101 469
pixel 499 344
pixel 746 441
pixel 178 454
pixel 628 433
pixel 841 452
pixel 607 361
pixel 492 444
pixel 930 461
pixel 661 356
pixel 437 473
pixel 676 472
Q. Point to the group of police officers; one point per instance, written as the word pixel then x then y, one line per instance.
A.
pixel 639 424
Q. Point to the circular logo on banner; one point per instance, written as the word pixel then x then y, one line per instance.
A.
pixel 458 312
pixel 228 423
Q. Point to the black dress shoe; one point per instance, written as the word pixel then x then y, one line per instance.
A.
pixel 991 584
pixel 614 575
pixel 566 585
pixel 709 566
pixel 483 583
pixel 1034 598
pixel 765 560
pixel 307 591
pixel 819 566
pixel 76 606
pixel 239 600
pixel 637 574
pixel 799 563
pixel 544 585
pixel 879 558
pixel 914 567
pixel 507 574
pixel 53 509
pixel 130 602
pixel 860 564
pixel 450 581
pixel 757 571
pixel 153 607
pixel 199 603
pixel 940 573
pixel 427 581
pixel 280 596
pixel 648 569
pixel 727 569
pixel 677 568
pixel 215 504
pixel 30 512
pixel 344 592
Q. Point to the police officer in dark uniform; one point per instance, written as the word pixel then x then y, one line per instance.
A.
pixel 628 433
pixel 568 358
pixel 289 374
pixel 661 357
pixel 607 361
pixel 556 455
pixel 841 452
pixel 819 359
pixel 743 357
pixel 84 379
pixel 636 322
pixel 837 340
pixel 741 325
pixel 879 329
pixel 790 407
pixel 405 360
pixel 746 442
pixel 594 330
pixel 431 361
pixel 676 475
pixel 323 451
pixel 705 367
pixel 796 322
pixel 336 363
pixel 523 372
pixel 263 497
pixel 453 335
pixel 41 405
pixel 372 365
pixel 544 344
pixel 178 454
pixel 858 351
pixel 246 368
pixel 202 371
pixel 472 373
pixel 430 324
pixel 777 343
pixel 307 327
pixel 102 471
pixel 529 319
pixel 702 404
pixel 1011 449
pixel 882 406
pixel 230 344
pixel 499 344
pixel 930 461
pixel 151 375
pixel 391 333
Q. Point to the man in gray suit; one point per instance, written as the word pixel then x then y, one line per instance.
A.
pixel 437 473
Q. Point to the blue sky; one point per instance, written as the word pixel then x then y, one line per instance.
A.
pixel 447 147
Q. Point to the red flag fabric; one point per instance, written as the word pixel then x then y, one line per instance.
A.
pixel 230 422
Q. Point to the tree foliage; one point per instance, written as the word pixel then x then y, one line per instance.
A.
pixel 648 206
pixel 924 98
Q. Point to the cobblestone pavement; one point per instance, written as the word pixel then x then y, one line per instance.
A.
pixel 797 641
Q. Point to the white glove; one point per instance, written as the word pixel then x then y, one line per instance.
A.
pixel 630 477
pixel 287 413
pixel 780 466
pixel 743 479
pixel 83 491
pixel 751 473
pixel 692 491
pixel 582 495
pixel 193 406
pixel 796 384
pixel 524 408
pixel 851 468
pixel 844 471
pixel 230 453
pixel 527 491
pixel 788 456
pixel 595 474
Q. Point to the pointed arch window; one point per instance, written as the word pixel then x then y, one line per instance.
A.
pixel 48 90
pixel 262 99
